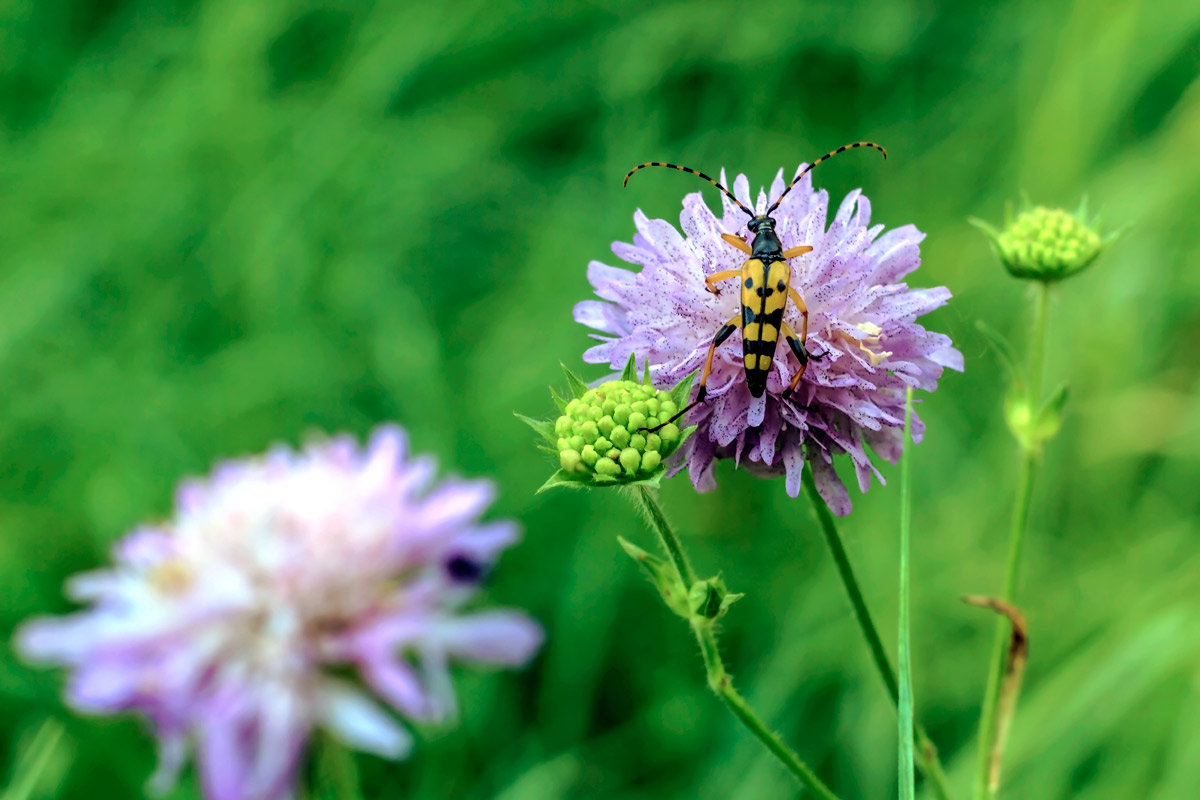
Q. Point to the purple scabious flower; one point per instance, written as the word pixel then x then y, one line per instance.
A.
pixel 861 316
pixel 235 626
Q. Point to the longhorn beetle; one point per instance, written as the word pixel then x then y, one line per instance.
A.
pixel 765 290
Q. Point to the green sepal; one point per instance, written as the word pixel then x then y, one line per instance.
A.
pixel 1031 429
pixel 578 387
pixel 630 373
pixel 1003 349
pixel 682 391
pixel 662 575
pixel 646 374
pixel 988 228
pixel 709 599
pixel 544 427
pixel 1049 421
pixel 559 400
pixel 571 480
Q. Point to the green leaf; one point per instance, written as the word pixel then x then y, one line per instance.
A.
pixel 1004 351
pixel 563 478
pixel 544 427
pixel 683 390
pixel 1049 420
pixel 662 575
pixel 992 232
pixel 559 400
pixel 630 373
pixel 906 752
pixel 40 763
pixel 578 387
pixel 646 373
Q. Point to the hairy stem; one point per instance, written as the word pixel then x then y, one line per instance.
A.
pixel 987 779
pixel 927 757
pixel 906 775
pixel 719 679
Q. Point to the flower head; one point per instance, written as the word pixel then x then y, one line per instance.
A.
pixel 1047 244
pixel 861 316
pixel 615 434
pixel 230 625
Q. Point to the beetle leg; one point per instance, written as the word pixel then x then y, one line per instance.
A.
pixel 711 281
pixel 737 242
pixel 723 333
pixel 799 250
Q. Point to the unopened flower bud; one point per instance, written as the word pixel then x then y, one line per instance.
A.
pixel 1046 244
pixel 602 436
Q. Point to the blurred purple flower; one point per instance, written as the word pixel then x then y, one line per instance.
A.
pixel 860 314
pixel 229 625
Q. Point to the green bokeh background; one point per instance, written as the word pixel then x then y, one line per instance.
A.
pixel 225 224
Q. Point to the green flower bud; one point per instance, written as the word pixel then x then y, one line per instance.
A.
pixel 709 599
pixel 630 459
pixel 598 437
pixel 588 431
pixel 569 459
pixel 606 466
pixel 1046 244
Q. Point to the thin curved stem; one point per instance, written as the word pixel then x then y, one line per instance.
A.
pixel 906 775
pixel 987 776
pixel 719 679
pixel 927 757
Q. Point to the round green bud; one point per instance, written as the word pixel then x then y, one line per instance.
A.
pixel 652 406
pixel 651 422
pixel 667 409
pixel 637 441
pixel 569 460
pixel 636 420
pixel 619 436
pixel 606 466
pixel 589 456
pixel 577 442
pixel 620 415
pixel 630 460
pixel 606 425
pixel 587 430
pixel 562 427
pixel 573 408
pixel 613 453
pixel 603 444
pixel 669 433
pixel 594 413
pixel 1047 244
pixel 609 406
pixel 653 442
pixel 639 406
pixel 650 461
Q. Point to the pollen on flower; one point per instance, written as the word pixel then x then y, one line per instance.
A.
pixel 236 624
pixel 862 323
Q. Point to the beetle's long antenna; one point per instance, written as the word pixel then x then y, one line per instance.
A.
pixel 697 173
pixel 825 157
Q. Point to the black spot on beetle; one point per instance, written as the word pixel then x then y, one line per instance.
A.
pixel 781 286
pixel 749 283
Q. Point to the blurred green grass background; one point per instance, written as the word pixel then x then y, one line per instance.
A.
pixel 225 224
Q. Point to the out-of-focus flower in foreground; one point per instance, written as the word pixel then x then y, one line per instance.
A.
pixel 240 624
pixel 862 317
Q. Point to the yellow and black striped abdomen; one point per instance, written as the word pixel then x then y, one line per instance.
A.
pixel 764 295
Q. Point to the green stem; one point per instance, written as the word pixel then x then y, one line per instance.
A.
pixel 338 771
pixel 927 757
pixel 906 776
pixel 719 679
pixel 987 775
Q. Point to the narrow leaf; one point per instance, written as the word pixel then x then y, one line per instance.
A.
pixel 1010 685
pixel 906 762
pixel 630 372
pixel 1004 351
pixel 561 478
pixel 559 400
pixel 578 387
pixel 544 427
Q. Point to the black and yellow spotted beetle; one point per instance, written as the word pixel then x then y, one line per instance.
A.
pixel 766 279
